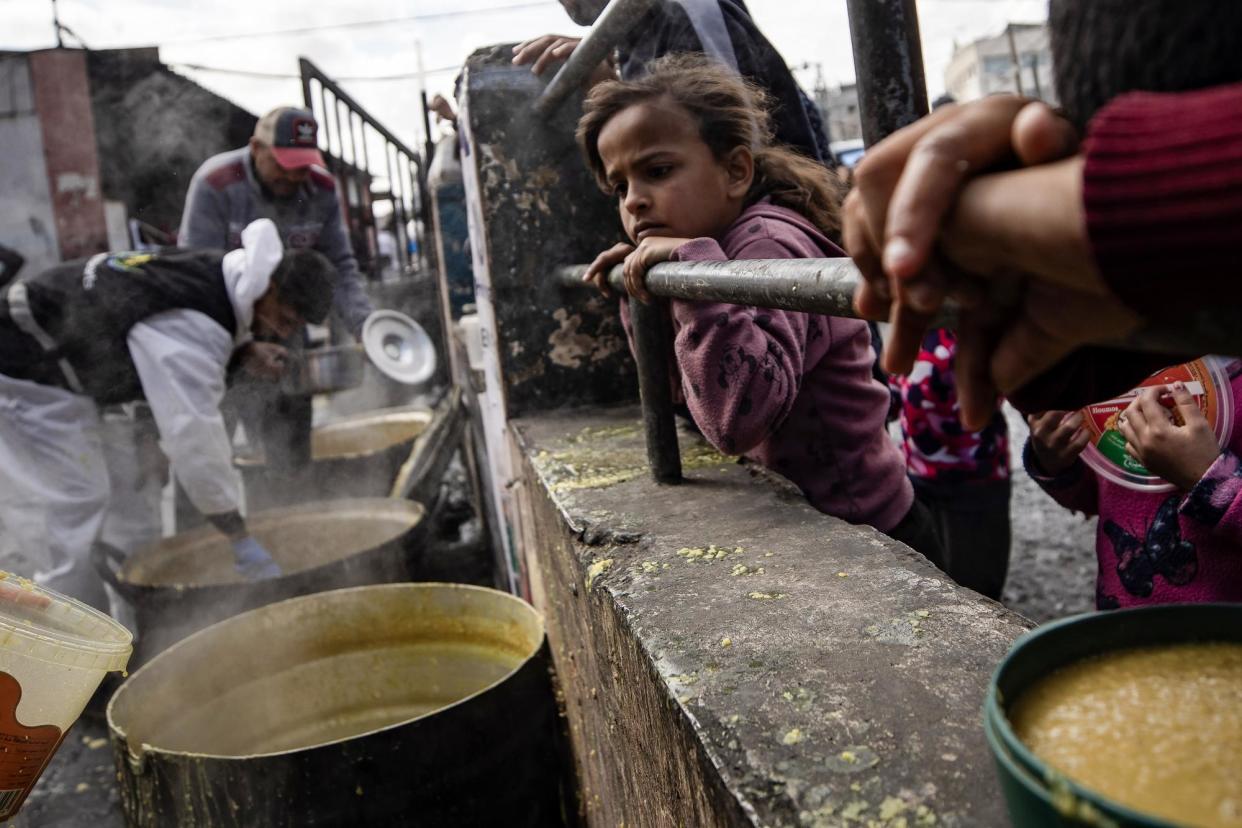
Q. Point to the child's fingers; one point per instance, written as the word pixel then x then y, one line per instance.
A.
pixel 1068 425
pixel 1043 423
pixel 1079 441
pixel 1185 403
pixel 1133 426
pixel 873 295
pixel 1155 415
pixel 603 264
pixel 635 277
pixel 975 389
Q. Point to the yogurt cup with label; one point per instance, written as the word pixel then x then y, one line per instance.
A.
pixel 1207 381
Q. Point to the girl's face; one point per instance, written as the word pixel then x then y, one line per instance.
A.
pixel 666 179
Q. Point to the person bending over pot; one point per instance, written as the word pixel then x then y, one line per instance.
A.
pixel 119 327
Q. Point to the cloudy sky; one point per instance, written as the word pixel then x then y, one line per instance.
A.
pixel 206 33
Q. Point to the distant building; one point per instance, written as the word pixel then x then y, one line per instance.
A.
pixel 99 147
pixel 987 66
pixel 840 109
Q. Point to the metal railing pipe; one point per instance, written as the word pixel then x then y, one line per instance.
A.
pixel 615 21
pixel 888 63
pixel 652 353
pixel 827 286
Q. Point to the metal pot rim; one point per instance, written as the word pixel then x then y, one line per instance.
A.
pixel 118 733
pixel 386 507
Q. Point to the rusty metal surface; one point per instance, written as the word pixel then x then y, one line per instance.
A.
pixel 613 24
pixel 538 208
pixel 888 62
pixel 813 285
pixel 653 351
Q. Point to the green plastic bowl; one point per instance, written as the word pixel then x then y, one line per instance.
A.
pixel 1037 795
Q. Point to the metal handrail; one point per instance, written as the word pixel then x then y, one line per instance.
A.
pixel 827 286
pixel 614 22
pixel 824 286
pixel 812 285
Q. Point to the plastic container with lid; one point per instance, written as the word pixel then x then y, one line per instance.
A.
pixel 1208 382
pixel 54 652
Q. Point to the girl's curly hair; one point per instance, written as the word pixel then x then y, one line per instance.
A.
pixel 730 112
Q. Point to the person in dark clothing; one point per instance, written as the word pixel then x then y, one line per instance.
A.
pixel 721 29
pixel 126 326
pixel 10 262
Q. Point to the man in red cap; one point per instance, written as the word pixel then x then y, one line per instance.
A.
pixel 280 175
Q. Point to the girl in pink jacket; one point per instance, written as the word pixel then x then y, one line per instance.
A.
pixel 1154 547
pixel 687 151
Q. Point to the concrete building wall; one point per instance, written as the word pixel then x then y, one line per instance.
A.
pixel 62 100
pixel 986 66
pixel 840 107
pixel 26 221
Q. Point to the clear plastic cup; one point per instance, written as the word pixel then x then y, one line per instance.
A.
pixel 54 652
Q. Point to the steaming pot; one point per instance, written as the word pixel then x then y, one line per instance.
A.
pixel 400 704
pixel 183 583
pixel 356 456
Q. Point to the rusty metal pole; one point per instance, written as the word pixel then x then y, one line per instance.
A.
pixel 888 62
pixel 612 25
pixel 652 351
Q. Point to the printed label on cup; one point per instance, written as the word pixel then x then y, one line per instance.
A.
pixel 24 751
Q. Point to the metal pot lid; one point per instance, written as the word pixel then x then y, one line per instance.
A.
pixel 399 347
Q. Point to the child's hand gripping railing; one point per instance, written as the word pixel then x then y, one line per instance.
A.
pixel 824 286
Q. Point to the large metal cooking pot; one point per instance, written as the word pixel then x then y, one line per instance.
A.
pixel 183 583
pixel 324 370
pixel 356 456
pixel 401 704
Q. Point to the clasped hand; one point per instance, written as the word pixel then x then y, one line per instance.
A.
pixel 931 217
pixel 637 261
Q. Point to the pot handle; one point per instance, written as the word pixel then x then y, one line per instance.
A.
pixel 108 561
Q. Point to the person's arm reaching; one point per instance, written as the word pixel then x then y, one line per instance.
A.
pixel 1053 458
pixel 181 357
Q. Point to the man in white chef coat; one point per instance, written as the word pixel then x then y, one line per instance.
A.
pixel 124 326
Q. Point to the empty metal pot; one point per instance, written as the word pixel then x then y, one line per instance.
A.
pixel 400 704
pixel 186 582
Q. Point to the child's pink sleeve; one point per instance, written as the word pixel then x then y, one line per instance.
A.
pixel 741 366
pixel 1216 500
pixel 1076 488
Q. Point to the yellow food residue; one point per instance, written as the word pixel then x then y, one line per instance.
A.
pixel 766 596
pixel 793 737
pixel 596 569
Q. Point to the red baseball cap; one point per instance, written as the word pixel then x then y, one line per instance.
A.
pixel 293 135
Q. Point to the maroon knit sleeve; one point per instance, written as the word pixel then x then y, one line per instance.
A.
pixel 1162 190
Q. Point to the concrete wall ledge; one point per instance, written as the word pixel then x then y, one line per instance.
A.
pixel 730 656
